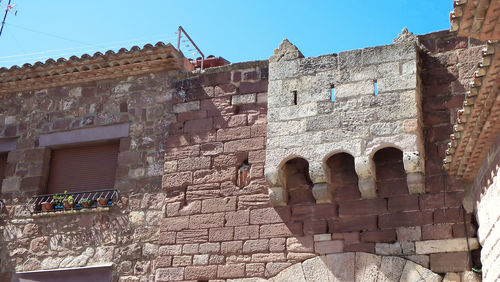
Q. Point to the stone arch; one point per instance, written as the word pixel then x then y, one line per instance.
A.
pixel 342 178
pixel 390 172
pixel 353 267
pixel 294 176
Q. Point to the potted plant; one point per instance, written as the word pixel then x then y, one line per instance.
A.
pixel 102 201
pixel 68 202
pixel 85 202
pixel 57 200
pixel 47 206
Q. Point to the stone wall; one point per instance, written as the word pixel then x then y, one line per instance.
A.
pixel 486 194
pixel 194 200
pixel 354 102
pixel 122 235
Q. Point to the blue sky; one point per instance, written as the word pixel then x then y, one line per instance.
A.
pixel 236 30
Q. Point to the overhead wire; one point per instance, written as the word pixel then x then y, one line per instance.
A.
pixel 88 46
pixel 84 49
pixel 46 33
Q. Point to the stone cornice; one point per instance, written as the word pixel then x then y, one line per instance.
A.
pixel 476 18
pixel 86 68
pixel 477 123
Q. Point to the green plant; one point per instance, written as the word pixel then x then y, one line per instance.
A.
pixel 85 202
pixel 58 198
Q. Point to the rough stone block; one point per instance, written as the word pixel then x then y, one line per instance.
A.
pixel 415 272
pixel 201 272
pixel 243 99
pixel 169 274
pixel 329 247
pixel 405 234
pixel 321 193
pixel 388 249
pixel 449 262
pixel 391 269
pixel 231 270
pixel 186 107
pixel 206 220
pixel 300 244
pixel 292 273
pixel 446 245
pixel 367 266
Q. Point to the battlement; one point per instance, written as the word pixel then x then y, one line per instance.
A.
pixel 335 112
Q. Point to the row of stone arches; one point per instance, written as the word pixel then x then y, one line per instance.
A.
pixel 342 178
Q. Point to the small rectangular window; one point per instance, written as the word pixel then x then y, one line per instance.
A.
pixel 332 93
pixel 294 93
pixel 375 88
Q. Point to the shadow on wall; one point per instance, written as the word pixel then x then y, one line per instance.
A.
pixel 297 181
pixel 342 177
pixel 390 172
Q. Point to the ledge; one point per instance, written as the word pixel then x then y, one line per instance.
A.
pixel 476 126
pixel 53 204
pixel 71 212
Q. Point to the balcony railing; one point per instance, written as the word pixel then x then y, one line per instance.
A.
pixel 72 201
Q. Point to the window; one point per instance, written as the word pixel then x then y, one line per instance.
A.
pixel 86 168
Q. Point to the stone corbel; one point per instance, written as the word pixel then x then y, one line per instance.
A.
pixel 278 196
pixel 316 172
pixel 321 193
pixel 414 166
pixel 365 169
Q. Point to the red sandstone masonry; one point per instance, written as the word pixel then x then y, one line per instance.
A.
pixel 213 229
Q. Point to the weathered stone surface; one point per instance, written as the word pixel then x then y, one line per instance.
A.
pixel 315 269
pixel 367 267
pixel 342 266
pixel 415 272
pixel 293 273
pixel 391 269
pixel 169 274
pixel 446 245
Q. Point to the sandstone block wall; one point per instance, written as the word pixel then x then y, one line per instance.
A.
pixel 485 194
pixel 355 102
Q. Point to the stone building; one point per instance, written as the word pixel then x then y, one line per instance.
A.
pixel 327 168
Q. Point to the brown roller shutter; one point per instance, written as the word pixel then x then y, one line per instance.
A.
pixel 3 166
pixel 83 168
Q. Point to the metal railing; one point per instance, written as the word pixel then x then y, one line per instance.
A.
pixel 72 201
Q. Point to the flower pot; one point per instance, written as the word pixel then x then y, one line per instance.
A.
pixel 68 204
pixel 86 205
pixel 46 206
pixel 102 202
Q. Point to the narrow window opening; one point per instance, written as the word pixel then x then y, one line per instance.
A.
pixel 294 93
pixel 375 87
pixel 244 174
pixel 332 93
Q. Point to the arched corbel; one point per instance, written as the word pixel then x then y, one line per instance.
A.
pixel 414 165
pixel 365 169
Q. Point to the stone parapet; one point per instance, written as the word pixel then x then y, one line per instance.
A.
pixel 356 102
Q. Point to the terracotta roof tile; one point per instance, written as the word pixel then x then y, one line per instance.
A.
pixel 88 68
